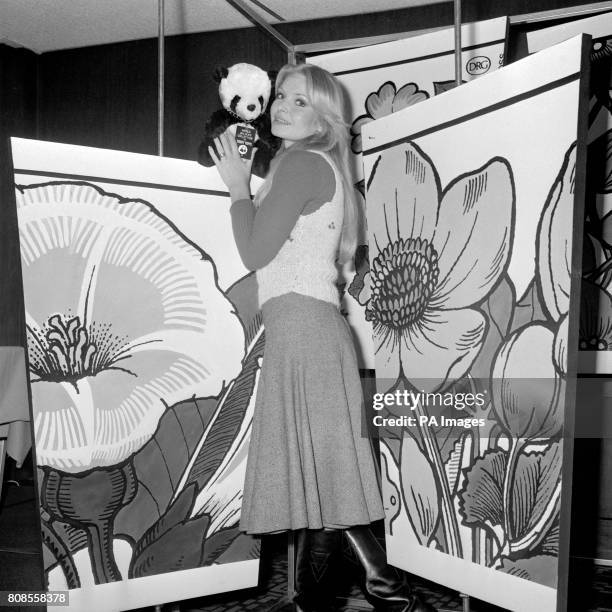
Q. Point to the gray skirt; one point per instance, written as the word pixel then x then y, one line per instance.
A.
pixel 308 465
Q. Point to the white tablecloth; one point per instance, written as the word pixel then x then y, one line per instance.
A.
pixel 14 408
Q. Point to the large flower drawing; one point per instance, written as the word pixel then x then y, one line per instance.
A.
pixel 386 100
pixel 124 318
pixel 435 254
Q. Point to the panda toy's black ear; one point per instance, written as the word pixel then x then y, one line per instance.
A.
pixel 220 73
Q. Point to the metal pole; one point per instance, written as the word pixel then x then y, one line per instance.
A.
pixel 466 602
pixel 242 7
pixel 458 61
pixel 160 77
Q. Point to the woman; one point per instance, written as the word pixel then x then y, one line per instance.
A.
pixel 309 467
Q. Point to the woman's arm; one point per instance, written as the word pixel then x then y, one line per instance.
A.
pixel 302 179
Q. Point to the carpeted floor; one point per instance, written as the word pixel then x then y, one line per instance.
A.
pixel 21 569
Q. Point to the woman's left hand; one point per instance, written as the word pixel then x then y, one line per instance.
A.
pixel 235 171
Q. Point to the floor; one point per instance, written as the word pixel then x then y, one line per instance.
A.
pixel 20 569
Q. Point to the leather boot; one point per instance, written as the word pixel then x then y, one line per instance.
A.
pixel 385 588
pixel 316 569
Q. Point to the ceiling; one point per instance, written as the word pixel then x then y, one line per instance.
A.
pixel 49 25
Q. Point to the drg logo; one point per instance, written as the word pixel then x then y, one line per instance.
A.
pixel 478 65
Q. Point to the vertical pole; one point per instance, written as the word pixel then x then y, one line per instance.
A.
pixel 458 61
pixel 466 602
pixel 160 77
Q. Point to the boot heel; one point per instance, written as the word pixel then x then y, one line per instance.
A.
pixel 383 586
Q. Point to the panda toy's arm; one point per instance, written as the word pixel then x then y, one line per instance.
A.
pixel 218 122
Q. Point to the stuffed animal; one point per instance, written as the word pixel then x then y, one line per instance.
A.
pixel 245 91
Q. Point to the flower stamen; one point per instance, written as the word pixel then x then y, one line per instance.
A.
pixel 404 276
pixel 66 349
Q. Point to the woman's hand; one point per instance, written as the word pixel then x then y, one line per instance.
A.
pixel 235 171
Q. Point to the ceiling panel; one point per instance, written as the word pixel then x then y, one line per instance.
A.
pixel 48 25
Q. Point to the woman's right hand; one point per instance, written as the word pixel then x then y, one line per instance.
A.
pixel 235 171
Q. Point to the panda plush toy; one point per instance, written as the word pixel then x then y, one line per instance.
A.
pixel 245 92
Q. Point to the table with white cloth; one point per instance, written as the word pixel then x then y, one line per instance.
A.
pixel 15 436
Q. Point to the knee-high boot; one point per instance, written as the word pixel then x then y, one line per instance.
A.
pixel 316 569
pixel 385 588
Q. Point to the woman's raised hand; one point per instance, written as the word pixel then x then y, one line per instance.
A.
pixel 235 171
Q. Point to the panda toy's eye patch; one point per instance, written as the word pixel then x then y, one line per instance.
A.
pixel 234 103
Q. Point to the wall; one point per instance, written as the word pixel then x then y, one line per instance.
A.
pixel 18 89
pixel 106 96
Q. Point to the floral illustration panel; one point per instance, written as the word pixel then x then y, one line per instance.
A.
pixel 382 79
pixel 596 297
pixel 144 345
pixel 471 203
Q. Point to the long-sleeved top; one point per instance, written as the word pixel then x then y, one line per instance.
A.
pixel 292 238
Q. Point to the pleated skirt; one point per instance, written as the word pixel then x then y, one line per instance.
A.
pixel 309 466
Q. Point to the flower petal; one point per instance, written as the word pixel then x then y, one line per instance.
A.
pixel 386 352
pixel 63 425
pixel 407 96
pixel 554 241
pixel 159 328
pixel 359 123
pixel 103 419
pixel 526 389
pixel 356 141
pixel 473 236
pixel 443 347
pixel 380 103
pixel 402 197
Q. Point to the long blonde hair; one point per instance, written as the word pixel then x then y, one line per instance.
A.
pixel 327 99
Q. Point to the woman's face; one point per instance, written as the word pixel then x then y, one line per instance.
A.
pixel 293 117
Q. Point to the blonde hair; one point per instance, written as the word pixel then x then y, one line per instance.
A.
pixel 327 100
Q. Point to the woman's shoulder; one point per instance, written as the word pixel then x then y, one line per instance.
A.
pixel 306 160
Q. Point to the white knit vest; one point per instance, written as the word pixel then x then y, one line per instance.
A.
pixel 306 262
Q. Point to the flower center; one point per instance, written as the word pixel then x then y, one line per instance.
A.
pixel 403 278
pixel 66 349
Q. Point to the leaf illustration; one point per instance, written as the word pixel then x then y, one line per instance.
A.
pixel 481 498
pixel 529 308
pixel 392 500
pixel 174 542
pixel 452 467
pixel 243 294
pixel 550 544
pixel 419 490
pixel 218 543
pixel 189 446
pixel 231 410
pixel 241 548
pixel 536 496
pixel 221 496
pixel 539 568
